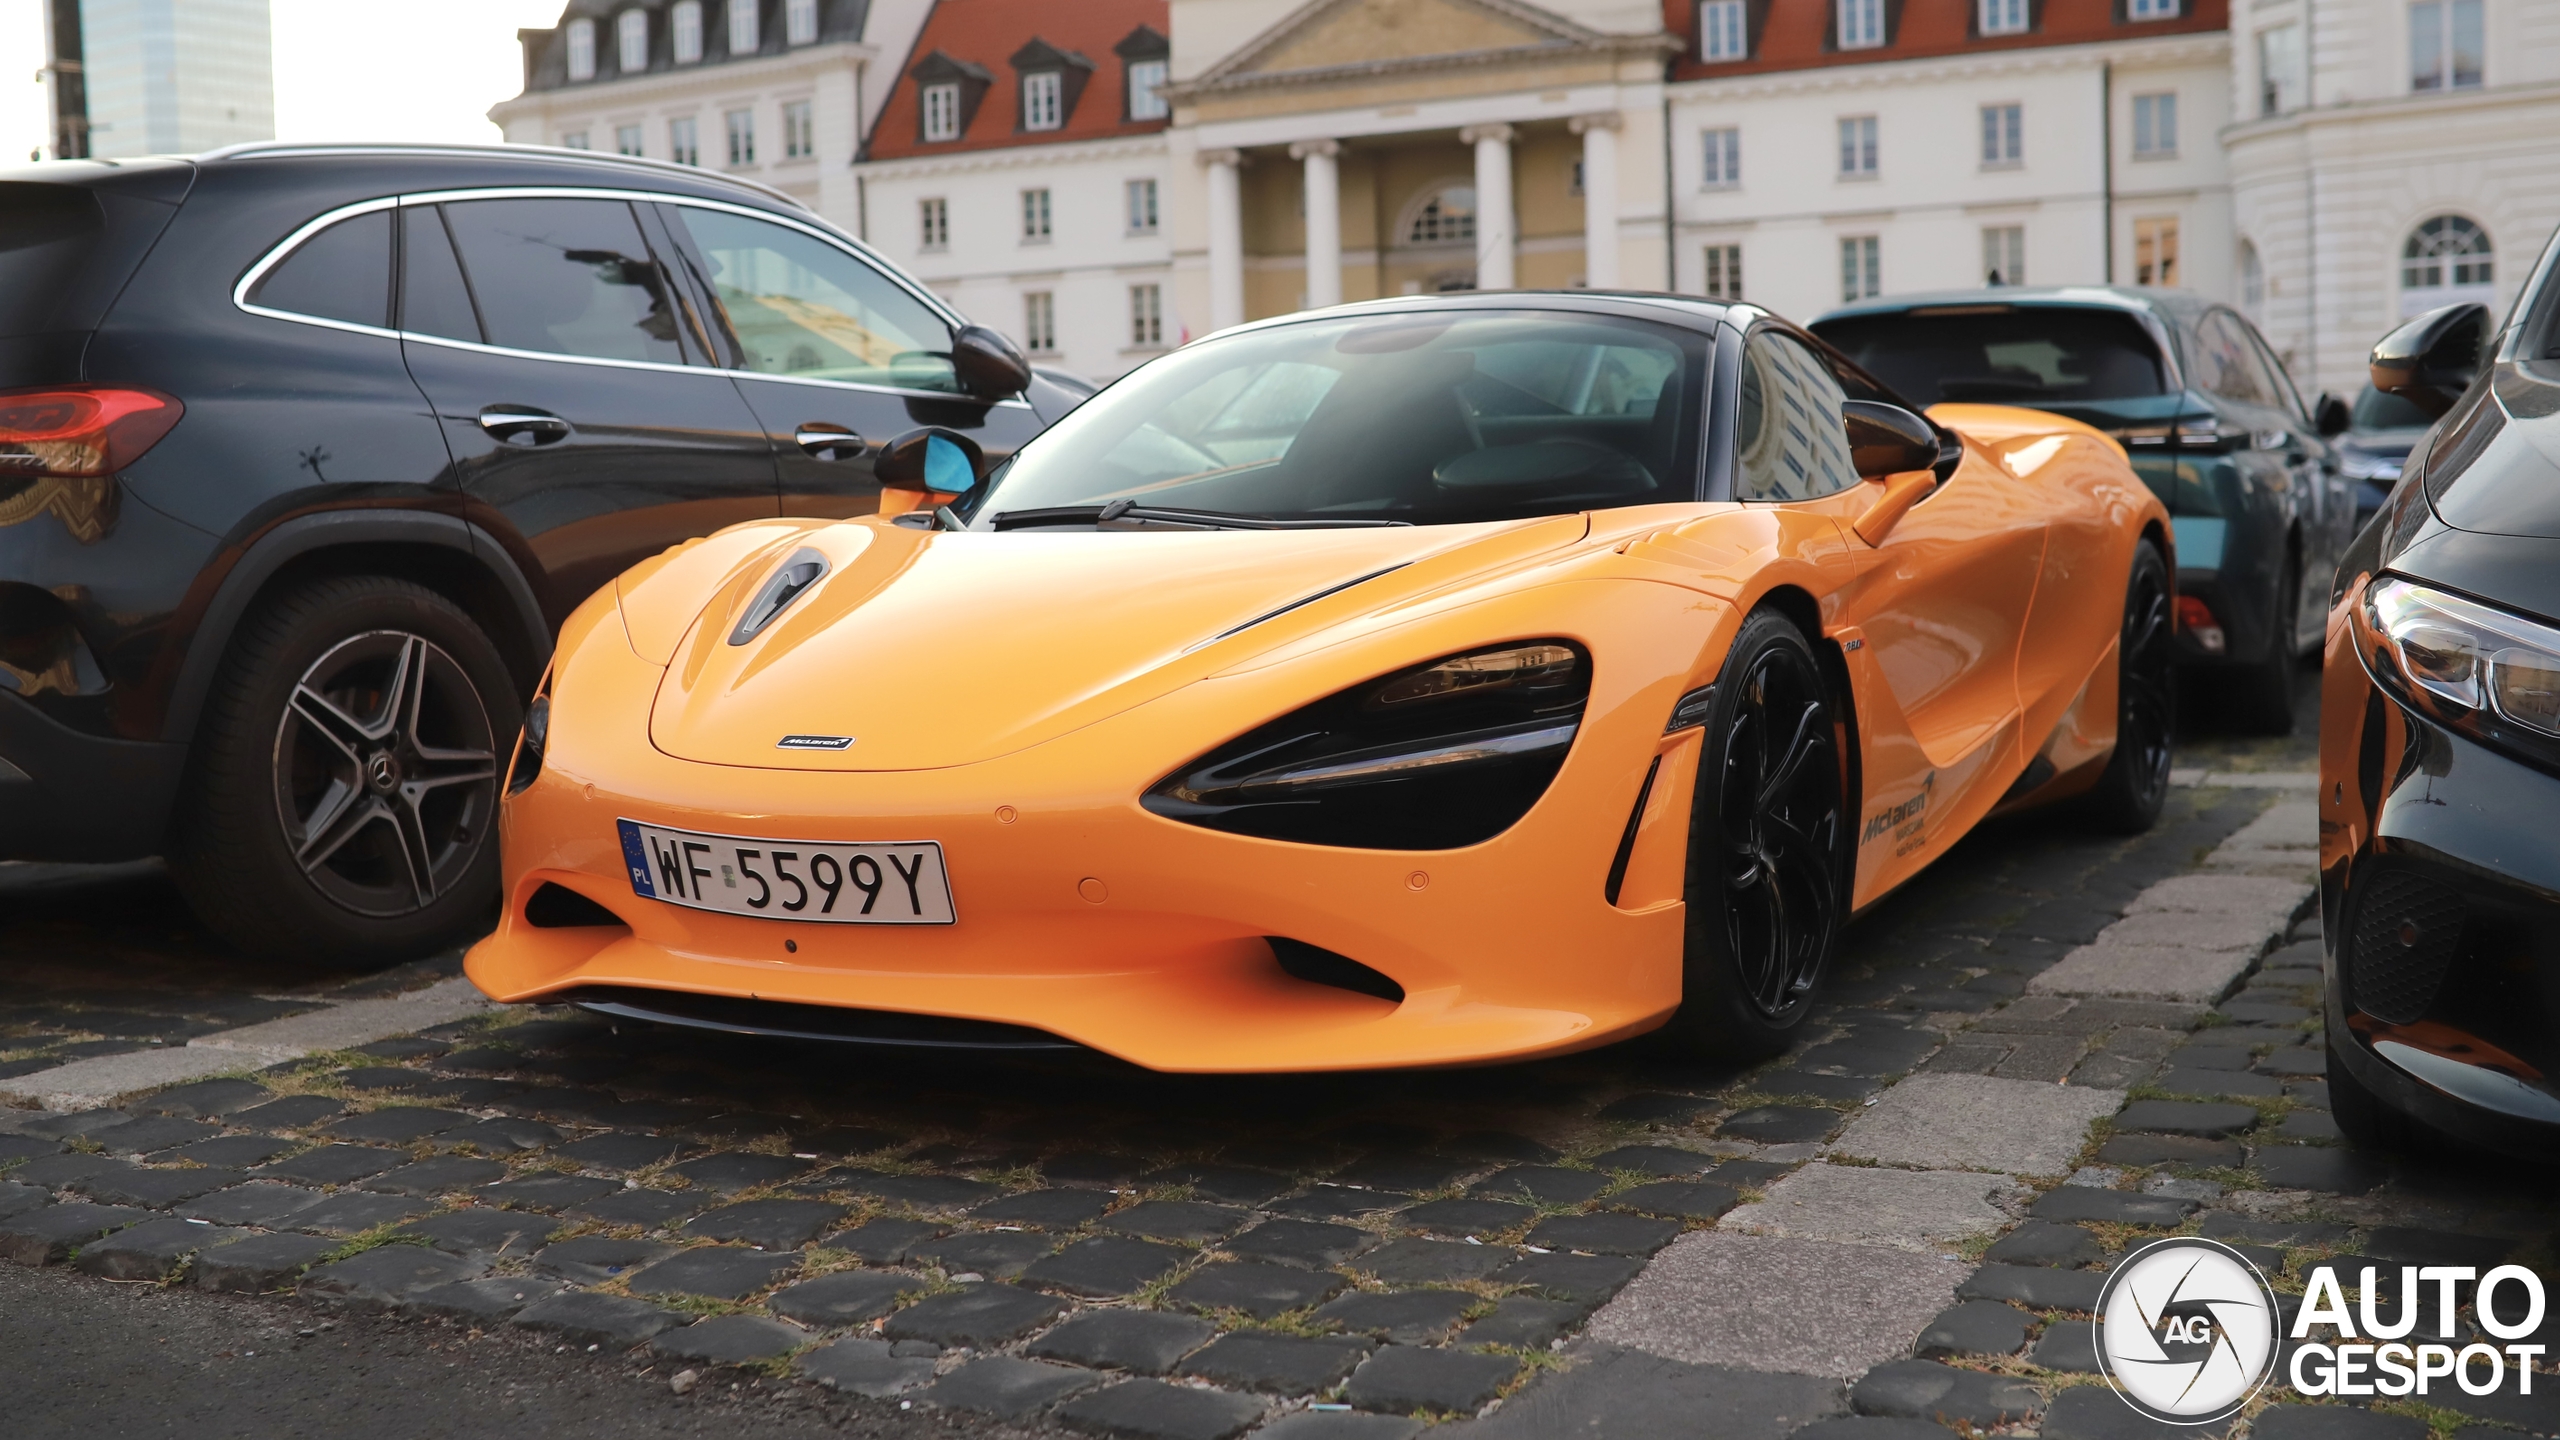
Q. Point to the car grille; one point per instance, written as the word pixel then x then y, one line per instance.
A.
pixel 2407 928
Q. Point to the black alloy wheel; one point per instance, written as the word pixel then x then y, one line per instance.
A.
pixel 2128 796
pixel 1768 875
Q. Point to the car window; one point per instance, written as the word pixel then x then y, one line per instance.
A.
pixel 1999 355
pixel 799 306
pixel 434 299
pixel 2377 411
pixel 1419 418
pixel 2280 379
pixel 2227 365
pixel 566 277
pixel 1788 438
pixel 342 273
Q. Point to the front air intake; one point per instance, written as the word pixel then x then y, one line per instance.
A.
pixel 2406 931
pixel 1318 966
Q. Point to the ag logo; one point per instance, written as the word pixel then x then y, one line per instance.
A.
pixel 2186 1330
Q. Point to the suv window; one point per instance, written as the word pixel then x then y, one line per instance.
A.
pixel 434 298
pixel 566 277
pixel 2228 365
pixel 799 306
pixel 1997 355
pixel 1788 436
pixel 342 273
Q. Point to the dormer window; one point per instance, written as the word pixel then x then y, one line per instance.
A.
pixel 1146 90
pixel 2151 9
pixel 631 38
pixel 1144 56
pixel 686 26
pixel 582 49
pixel 1723 32
pixel 799 22
pixel 745 38
pixel 1040 101
pixel 1861 24
pixel 2004 17
pixel 941 112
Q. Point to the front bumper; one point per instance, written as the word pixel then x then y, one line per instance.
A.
pixel 1084 916
pixel 82 797
pixel 2440 907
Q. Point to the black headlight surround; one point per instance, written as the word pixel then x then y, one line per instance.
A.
pixel 1437 772
pixel 2494 630
pixel 532 740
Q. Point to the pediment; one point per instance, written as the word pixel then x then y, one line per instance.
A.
pixel 1333 34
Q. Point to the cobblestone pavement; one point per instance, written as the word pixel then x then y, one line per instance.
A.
pixel 2053 1045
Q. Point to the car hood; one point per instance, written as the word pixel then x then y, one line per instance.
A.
pixel 926 649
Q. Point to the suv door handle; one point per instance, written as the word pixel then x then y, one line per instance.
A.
pixel 828 442
pixel 506 422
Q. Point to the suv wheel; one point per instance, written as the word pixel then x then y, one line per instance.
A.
pixel 2262 694
pixel 344 792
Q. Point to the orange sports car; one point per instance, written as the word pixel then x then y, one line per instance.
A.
pixel 1437 680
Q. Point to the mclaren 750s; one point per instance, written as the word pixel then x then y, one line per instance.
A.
pixel 1432 681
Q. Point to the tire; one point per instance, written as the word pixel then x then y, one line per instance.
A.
pixel 2135 784
pixel 322 820
pixel 1769 833
pixel 2262 694
pixel 2368 1122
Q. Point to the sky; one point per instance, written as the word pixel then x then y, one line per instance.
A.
pixel 344 69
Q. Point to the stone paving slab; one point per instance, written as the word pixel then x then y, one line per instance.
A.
pixel 1979 1122
pixel 2144 972
pixel 1916 1210
pixel 1805 1307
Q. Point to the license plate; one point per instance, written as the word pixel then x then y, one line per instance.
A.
pixel 866 883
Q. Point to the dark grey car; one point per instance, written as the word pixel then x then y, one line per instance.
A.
pixel 2212 422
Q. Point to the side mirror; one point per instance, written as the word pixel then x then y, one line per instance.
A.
pixel 931 460
pixel 1887 439
pixel 2329 415
pixel 988 364
pixel 2431 360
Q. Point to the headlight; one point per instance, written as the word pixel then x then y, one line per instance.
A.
pixel 529 745
pixel 2474 668
pixel 1442 755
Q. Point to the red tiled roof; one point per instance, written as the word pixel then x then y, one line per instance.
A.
pixel 1797 35
pixel 983 38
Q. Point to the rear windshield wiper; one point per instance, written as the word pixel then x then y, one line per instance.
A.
pixel 1121 515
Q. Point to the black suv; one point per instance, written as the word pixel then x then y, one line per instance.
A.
pixel 2210 420
pixel 305 452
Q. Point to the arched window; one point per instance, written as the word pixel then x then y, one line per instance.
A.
pixel 2253 281
pixel 2446 261
pixel 686 28
pixel 631 34
pixel 582 49
pixel 1450 214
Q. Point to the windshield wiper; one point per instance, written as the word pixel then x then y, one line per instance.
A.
pixel 1122 515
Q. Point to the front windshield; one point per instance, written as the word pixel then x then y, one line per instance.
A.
pixel 1432 418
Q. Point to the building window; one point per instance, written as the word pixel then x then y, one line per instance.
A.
pixel 1859 271
pixel 1146 90
pixel 799 21
pixel 744 36
pixel 2004 254
pixel 1146 316
pixel 2155 126
pixel 2151 9
pixel 742 136
pixel 1142 207
pixel 1035 217
pixel 2155 250
pixel 2004 17
pixel 2253 281
pixel 1861 24
pixel 2445 44
pixel 626 140
pixel 582 49
pixel 799 130
pixel 1039 322
pixel 1040 91
pixel 1724 158
pixel 631 41
pixel 1857 147
pixel 1722 31
pixel 2280 70
pixel 942 112
pixel 686 29
pixel 1724 272
pixel 1448 215
pixel 2003 135
pixel 574 140
pixel 934 217
pixel 1572 184
pixel 683 146
pixel 2444 253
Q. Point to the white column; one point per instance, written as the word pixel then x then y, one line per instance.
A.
pixel 1324 220
pixel 1226 239
pixel 1599 198
pixel 1497 233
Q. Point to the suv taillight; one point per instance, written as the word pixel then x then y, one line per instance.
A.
pixel 80 430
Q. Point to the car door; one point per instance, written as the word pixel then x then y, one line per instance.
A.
pixel 833 355
pixel 1928 620
pixel 2313 461
pixel 575 387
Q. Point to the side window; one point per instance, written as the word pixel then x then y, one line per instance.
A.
pixel 800 306
pixel 2226 365
pixel 566 277
pixel 342 273
pixel 2279 379
pixel 1788 436
pixel 434 298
